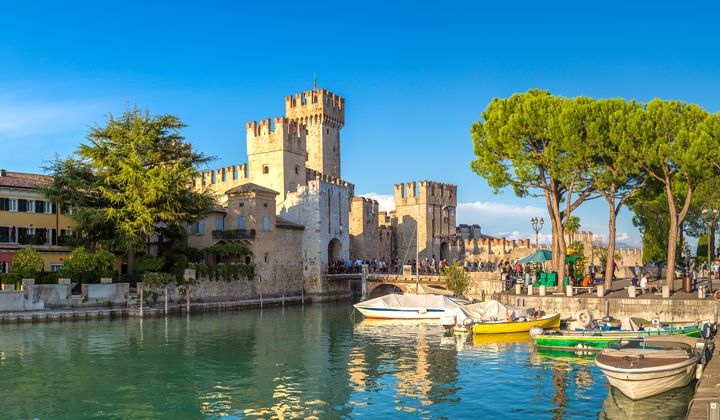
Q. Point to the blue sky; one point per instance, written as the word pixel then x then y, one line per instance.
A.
pixel 415 76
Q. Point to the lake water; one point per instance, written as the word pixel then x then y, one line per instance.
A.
pixel 294 362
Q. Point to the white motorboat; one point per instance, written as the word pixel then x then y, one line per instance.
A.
pixel 409 306
pixel 643 367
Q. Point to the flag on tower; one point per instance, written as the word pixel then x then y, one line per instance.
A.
pixel 314 81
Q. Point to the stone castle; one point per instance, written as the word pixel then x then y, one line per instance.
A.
pixel 291 206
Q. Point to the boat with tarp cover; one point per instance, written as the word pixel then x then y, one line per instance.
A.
pixel 409 306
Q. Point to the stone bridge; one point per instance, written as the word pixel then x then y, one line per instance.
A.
pixel 481 284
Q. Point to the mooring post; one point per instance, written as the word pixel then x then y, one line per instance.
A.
pixel 364 286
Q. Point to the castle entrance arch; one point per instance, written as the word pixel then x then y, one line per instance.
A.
pixel 445 251
pixel 335 250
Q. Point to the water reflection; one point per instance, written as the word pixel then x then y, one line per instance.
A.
pixel 668 405
pixel 297 362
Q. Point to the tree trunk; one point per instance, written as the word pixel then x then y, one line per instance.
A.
pixel 559 247
pixel 672 246
pixel 610 249
pixel 130 260
pixel 711 241
pixel 166 300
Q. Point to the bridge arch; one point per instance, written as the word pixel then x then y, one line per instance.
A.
pixel 382 289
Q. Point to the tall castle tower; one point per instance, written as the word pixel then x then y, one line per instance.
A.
pixel 276 154
pixel 323 114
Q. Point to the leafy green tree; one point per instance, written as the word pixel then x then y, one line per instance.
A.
pixel 702 247
pixel 676 149
pixel 131 180
pixel 608 152
pixel 26 262
pixel 104 260
pixel 80 260
pixel 457 279
pixel 572 227
pixel 523 142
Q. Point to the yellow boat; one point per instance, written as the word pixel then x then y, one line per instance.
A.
pixel 501 327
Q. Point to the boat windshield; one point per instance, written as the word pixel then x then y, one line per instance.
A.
pixel 648 345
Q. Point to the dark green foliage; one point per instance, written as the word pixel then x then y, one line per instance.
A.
pixel 131 180
pixel 228 250
pixel 146 263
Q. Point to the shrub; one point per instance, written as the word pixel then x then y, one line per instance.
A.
pixel 27 262
pixel 146 263
pixel 457 279
pixel 80 260
pixel 104 260
pixel 201 269
pixel 177 265
pixel 158 279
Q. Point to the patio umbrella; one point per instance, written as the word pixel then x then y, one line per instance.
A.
pixel 537 257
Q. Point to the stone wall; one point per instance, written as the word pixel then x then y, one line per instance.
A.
pixel 206 290
pixel 322 207
pixel 364 228
pixel 51 295
pixel 104 294
pixel 664 309
pixel 16 301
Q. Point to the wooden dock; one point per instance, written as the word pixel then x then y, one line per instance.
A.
pixel 707 392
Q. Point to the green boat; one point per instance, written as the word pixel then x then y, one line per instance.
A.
pixel 598 340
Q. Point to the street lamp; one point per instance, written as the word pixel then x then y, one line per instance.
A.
pixel 537 227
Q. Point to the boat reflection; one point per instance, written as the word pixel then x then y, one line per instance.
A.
pixel 416 358
pixel 484 339
pixel 552 356
pixel 668 405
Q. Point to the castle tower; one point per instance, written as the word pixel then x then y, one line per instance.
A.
pixel 276 154
pixel 323 114
pixel 425 209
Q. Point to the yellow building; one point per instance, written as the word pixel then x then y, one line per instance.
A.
pixel 27 218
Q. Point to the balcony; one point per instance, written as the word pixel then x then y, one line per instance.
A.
pixel 233 235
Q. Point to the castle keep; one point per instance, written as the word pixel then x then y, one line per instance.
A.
pixel 294 162
pixel 290 204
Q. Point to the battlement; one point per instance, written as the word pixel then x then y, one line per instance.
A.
pixel 274 135
pixel 322 105
pixel 365 200
pixel 430 192
pixel 313 174
pixel 228 175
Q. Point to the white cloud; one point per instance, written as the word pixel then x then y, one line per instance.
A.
pixel 506 220
pixel 516 234
pixel 500 216
pixel 386 202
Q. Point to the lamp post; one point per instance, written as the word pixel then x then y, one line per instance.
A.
pixel 537 227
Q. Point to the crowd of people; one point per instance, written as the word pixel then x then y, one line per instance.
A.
pixel 387 266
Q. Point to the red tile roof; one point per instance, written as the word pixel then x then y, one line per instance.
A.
pixel 23 180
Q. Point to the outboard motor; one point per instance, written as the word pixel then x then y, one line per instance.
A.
pixel 706 330
pixel 535 331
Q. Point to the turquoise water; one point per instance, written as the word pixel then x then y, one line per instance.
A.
pixel 296 362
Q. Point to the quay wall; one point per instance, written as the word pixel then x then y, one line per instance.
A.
pixel 50 295
pixel 103 294
pixel 666 310
pixel 16 301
